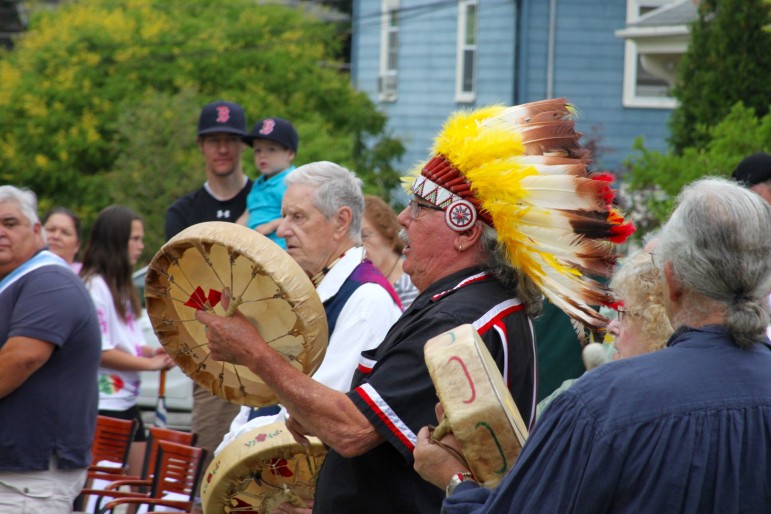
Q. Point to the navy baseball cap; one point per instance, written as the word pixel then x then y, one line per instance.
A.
pixel 277 130
pixel 754 169
pixel 222 116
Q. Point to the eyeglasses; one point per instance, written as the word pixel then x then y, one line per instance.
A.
pixel 415 207
pixel 624 314
pixel 656 260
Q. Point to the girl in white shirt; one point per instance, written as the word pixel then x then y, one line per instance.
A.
pixel 114 247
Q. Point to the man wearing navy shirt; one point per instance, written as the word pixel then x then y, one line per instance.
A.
pixel 50 346
pixel 684 429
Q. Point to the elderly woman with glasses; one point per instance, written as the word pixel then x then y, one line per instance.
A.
pixel 642 325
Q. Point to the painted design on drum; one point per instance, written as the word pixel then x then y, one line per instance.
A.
pixel 212 473
pixel 505 464
pixel 199 301
pixel 280 467
pixel 468 378
pixel 262 437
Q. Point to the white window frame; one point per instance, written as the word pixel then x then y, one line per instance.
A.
pixel 464 48
pixel 641 41
pixel 389 50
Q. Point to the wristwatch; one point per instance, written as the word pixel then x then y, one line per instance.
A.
pixel 456 479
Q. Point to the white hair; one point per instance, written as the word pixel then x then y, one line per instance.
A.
pixel 334 187
pixel 24 198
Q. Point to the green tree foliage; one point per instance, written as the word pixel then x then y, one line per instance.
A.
pixel 723 116
pixel 728 60
pixel 99 98
pixel 656 178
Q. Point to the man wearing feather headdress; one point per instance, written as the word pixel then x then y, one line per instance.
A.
pixel 504 212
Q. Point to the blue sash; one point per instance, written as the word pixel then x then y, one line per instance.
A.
pixel 40 259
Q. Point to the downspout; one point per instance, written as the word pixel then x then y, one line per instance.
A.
pixel 519 42
pixel 550 48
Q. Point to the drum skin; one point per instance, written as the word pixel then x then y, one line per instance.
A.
pixel 190 272
pixel 261 469
pixel 477 404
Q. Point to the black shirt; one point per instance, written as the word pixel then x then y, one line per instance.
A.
pixel 393 389
pixel 200 206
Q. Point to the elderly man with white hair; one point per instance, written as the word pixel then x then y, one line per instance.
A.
pixel 684 429
pixel 323 210
pixel 50 346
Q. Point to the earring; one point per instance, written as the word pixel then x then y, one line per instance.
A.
pixel 460 248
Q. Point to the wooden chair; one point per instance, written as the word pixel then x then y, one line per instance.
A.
pixel 112 441
pixel 143 482
pixel 178 469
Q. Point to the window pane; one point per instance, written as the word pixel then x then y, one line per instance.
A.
pixel 394 19
pixel 471 24
pixel 468 70
pixel 648 84
pixel 393 50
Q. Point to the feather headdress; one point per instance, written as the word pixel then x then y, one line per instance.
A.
pixel 523 171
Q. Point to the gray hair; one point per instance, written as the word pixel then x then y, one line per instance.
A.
pixel 718 241
pixel 514 280
pixel 335 187
pixel 24 198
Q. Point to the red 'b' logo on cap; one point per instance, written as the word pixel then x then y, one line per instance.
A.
pixel 223 114
pixel 267 127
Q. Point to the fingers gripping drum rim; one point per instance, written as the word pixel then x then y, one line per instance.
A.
pixel 190 272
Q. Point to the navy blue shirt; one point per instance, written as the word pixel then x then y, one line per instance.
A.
pixel 54 410
pixel 686 429
pixel 393 389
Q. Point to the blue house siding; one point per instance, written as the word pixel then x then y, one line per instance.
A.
pixel 588 69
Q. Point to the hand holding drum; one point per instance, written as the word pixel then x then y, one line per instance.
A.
pixel 478 408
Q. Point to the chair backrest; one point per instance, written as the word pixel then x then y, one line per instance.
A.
pixel 178 469
pixel 112 439
pixel 157 434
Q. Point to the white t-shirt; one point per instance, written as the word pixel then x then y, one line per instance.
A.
pixel 117 389
pixel 361 325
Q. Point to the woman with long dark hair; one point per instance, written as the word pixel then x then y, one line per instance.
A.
pixel 114 247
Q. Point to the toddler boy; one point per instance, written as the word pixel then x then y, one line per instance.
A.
pixel 274 141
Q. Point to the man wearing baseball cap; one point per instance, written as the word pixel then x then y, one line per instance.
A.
pixel 222 197
pixel 274 141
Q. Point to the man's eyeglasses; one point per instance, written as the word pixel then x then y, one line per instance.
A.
pixel 415 207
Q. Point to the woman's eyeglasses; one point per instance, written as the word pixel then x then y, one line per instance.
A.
pixel 624 313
